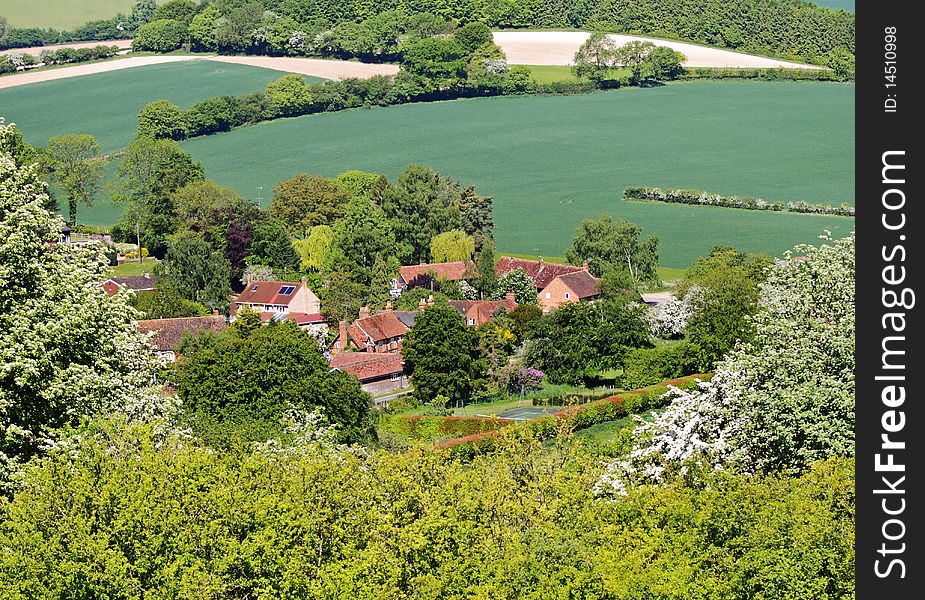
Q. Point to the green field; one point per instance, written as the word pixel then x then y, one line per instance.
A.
pixel 551 161
pixel 843 4
pixel 62 14
pixel 107 104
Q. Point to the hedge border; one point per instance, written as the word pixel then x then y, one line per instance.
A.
pixel 701 198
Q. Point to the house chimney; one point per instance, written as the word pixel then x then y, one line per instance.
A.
pixel 146 275
pixel 584 265
pixel 341 344
pixel 304 281
pixel 422 304
pixel 364 312
pixel 388 306
pixel 430 300
pixel 510 297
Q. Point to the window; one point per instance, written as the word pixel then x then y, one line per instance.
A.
pixel 396 376
pixel 254 289
pixel 567 296
pixel 548 295
pixel 286 290
pixel 471 321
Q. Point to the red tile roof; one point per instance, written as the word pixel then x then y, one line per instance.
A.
pixel 540 272
pixel 169 332
pixel 376 328
pixel 296 317
pixel 368 365
pixel 267 292
pixel 582 283
pixel 482 310
pixel 450 271
pixel 134 282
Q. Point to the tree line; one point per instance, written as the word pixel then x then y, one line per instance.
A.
pixel 792 29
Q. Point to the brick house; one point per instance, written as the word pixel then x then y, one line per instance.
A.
pixel 479 312
pixel 379 373
pixel 579 286
pixel 540 271
pixel 380 332
pixel 278 297
pixel 167 333
pixel 135 283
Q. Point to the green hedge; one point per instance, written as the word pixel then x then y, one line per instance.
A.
pixel 579 417
pixel 700 198
pixel 764 74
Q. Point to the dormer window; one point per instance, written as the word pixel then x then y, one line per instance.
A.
pixel 254 289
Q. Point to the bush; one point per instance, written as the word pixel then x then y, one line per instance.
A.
pixel 163 35
pixel 646 366
pixel 433 428
pixel 697 197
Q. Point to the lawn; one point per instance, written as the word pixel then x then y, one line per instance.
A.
pixel 551 161
pixel 107 104
pixel 62 14
pixel 134 268
pixel 541 74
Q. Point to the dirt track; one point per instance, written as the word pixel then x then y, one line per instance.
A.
pixel 558 48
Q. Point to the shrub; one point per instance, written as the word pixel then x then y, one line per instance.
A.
pixel 163 35
pixel 646 366
pixel 697 197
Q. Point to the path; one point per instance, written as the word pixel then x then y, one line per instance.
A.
pixel 558 48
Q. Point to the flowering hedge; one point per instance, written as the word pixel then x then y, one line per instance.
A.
pixel 431 428
pixel 654 194
pixel 579 417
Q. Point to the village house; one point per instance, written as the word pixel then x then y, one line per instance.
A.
pixel 380 332
pixel 135 283
pixel 379 373
pixel 555 284
pixel 283 300
pixel 479 312
pixel 167 333
pixel 579 286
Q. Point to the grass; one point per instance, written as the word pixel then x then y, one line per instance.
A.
pixel 134 268
pixel 548 161
pixel 671 274
pixel 107 104
pixel 543 74
pixel 62 14
pixel 551 161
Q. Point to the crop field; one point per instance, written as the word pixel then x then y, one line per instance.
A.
pixel 552 161
pixel 107 104
pixel 843 4
pixel 62 14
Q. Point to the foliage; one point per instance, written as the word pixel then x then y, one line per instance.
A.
pixel 240 388
pixel 777 403
pixel 608 244
pixel 313 248
pixel 746 202
pixel 272 246
pixel 68 349
pixel 595 57
pixel 577 340
pixel 670 319
pixel 289 95
pixel 195 271
pixel 161 119
pixel 306 201
pixel 451 246
pixel 645 366
pixel 441 354
pixel 436 429
pixel 74 163
pixel 518 283
pixel 165 304
pixel 163 35
pixel 485 262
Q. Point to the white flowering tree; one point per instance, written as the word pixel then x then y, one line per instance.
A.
pixel 777 403
pixel 66 348
pixel 670 319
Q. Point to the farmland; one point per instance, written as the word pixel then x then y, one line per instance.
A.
pixel 107 104
pixel 551 161
pixel 62 14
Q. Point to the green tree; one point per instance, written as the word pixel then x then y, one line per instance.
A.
pixel 166 304
pixel 195 270
pixel 162 119
pixel 441 353
pixel 341 296
pixel 164 35
pixel 485 263
pixel 473 36
pixel 362 184
pixel 68 348
pixel 305 201
pixel 14 145
pixel 595 57
pixel 234 31
pixel 359 237
pixel 451 246
pixel 312 249
pixel 182 11
pixel 477 218
pixel 440 64
pixel 74 163
pixel 290 95
pixel 636 56
pixel 607 244
pixel 665 63
pixel 242 387
pixel 246 322
pixel 272 246
pixel 150 173
pixel 142 12
pixel 202 30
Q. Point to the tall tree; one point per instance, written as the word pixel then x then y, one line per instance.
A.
pixel 442 355
pixel 476 213
pixel 595 57
pixel 608 244
pixel 451 246
pixel 485 264
pixel 305 201
pixel 313 248
pixel 195 270
pixel 359 237
pixel 74 163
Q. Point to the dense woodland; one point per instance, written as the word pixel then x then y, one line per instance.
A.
pixel 378 30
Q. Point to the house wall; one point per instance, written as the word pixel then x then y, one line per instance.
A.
pixel 305 301
pixel 384 386
pixel 555 295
